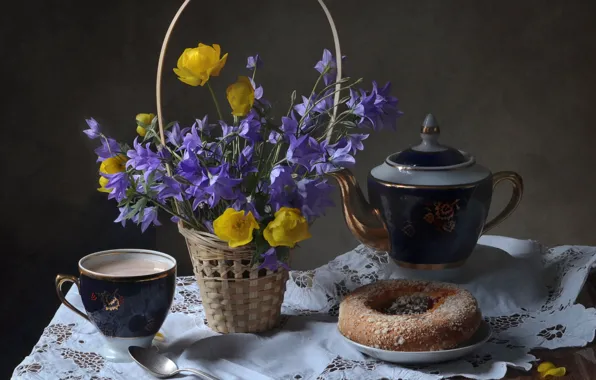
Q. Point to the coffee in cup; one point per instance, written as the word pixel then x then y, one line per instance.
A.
pixel 126 293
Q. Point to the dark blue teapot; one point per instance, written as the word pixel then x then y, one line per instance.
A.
pixel 428 204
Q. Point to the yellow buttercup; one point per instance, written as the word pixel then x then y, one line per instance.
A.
pixel 146 119
pixel 235 227
pixel 241 96
pixel 197 65
pixel 103 181
pixel 546 369
pixel 288 228
pixel 110 165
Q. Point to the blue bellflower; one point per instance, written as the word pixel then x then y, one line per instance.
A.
pixel 328 66
pixel 221 186
pixel 245 162
pixel 149 217
pixel 336 158
pixel 254 62
pixel 122 216
pixel 316 197
pixel 109 148
pixel 271 262
pixel 304 150
pixel 376 109
pixel 175 135
pixel 118 183
pixel 192 141
pixel 250 128
pixel 170 188
pixel 93 131
pixel 143 158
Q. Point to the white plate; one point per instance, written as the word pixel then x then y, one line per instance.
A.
pixel 426 357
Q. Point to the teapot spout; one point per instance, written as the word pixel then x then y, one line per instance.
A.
pixel 363 220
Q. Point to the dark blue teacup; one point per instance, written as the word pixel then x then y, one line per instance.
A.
pixel 126 293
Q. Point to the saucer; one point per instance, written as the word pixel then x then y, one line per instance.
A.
pixel 480 337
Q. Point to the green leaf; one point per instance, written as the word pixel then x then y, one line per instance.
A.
pixel 138 207
pixel 182 180
pixel 349 124
pixel 283 254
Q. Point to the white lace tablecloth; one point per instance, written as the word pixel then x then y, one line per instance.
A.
pixel 526 293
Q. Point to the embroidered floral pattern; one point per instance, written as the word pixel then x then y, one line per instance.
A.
pixel 59 333
pixel 340 364
pixel 85 360
pixel 185 281
pixel 69 351
pixel 70 375
pixel 505 322
pixel 477 360
pixel 303 279
pixel 28 368
pixel 187 301
pixel 553 332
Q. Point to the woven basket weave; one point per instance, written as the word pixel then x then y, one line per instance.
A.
pixel 237 296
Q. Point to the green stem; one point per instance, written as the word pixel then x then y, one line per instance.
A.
pixel 215 101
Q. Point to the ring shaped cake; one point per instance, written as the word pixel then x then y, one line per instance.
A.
pixel 407 315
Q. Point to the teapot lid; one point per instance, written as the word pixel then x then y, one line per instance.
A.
pixel 430 154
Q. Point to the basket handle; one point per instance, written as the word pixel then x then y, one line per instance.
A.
pixel 164 47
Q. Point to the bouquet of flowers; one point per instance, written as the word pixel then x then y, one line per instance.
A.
pixel 248 177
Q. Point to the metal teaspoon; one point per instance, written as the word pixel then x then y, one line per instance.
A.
pixel 159 365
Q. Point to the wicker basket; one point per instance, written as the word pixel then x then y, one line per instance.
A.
pixel 237 296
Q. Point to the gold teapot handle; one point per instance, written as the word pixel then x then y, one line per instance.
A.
pixel 518 189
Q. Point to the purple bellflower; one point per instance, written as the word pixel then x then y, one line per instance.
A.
pixel 149 217
pixel 254 62
pixel 175 135
pixel 250 128
pixel 118 183
pixel 192 141
pixel 328 66
pixel 304 150
pixel 316 197
pixel 109 148
pixel 271 262
pixel 335 158
pixel 221 185
pixel 93 131
pixel 143 158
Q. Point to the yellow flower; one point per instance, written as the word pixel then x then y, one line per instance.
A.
pixel 288 228
pixel 196 65
pixel 111 165
pixel 235 227
pixel 146 119
pixel 241 96
pixel 103 181
pixel 549 369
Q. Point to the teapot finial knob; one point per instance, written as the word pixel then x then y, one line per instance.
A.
pixel 430 126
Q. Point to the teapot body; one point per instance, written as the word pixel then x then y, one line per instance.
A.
pixel 428 204
pixel 432 226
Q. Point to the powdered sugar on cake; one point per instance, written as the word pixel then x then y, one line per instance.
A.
pixel 451 315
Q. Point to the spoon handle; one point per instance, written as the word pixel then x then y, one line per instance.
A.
pixel 199 373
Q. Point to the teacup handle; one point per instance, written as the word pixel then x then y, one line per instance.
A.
pixel 61 279
pixel 518 189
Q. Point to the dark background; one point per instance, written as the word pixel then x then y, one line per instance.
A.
pixel 512 82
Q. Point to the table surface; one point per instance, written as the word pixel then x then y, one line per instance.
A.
pixel 580 362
